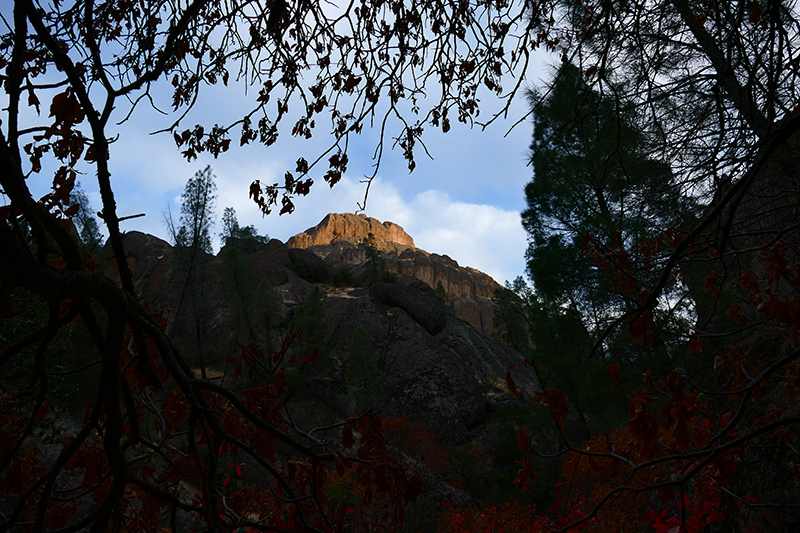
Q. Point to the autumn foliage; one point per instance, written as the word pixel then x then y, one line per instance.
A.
pixel 157 444
pixel 243 471
pixel 686 456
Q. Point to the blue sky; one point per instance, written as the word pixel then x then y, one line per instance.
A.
pixel 464 203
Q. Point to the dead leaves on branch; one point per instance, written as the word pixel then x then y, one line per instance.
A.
pixel 342 69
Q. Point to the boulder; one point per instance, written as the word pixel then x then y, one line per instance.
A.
pixel 310 266
pixel 420 305
pixel 148 257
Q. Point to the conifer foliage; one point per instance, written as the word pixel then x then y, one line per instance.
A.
pixel 688 283
pixel 231 229
pixel 85 221
pixel 594 181
pixel 198 204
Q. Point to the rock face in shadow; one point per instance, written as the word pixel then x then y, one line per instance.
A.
pixel 421 305
pixel 452 379
pixel 338 241
pixel 429 365
pixel 227 298
pixel 310 266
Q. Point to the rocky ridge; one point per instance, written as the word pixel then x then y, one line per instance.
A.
pixel 433 366
pixel 338 241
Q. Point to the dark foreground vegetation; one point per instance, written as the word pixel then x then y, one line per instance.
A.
pixel 661 323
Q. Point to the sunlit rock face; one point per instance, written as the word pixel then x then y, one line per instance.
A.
pixel 351 228
pixel 338 241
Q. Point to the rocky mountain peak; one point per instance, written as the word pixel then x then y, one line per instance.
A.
pixel 338 242
pixel 352 228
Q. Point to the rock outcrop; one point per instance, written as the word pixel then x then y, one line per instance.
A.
pixel 246 285
pixel 351 228
pixel 431 365
pixel 419 303
pixel 452 379
pixel 338 240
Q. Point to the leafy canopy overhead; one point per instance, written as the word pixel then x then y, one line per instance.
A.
pixel 310 67
pixel 705 96
pixel 71 72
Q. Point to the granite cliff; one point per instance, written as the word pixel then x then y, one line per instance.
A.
pixel 351 228
pixel 428 364
pixel 339 241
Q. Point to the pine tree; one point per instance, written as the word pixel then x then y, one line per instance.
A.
pixel 85 222
pixel 198 203
pixel 193 240
pixel 594 185
pixel 232 230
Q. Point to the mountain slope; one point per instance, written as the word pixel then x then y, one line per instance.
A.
pixel 428 364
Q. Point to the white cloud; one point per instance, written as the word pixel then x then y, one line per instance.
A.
pixel 149 175
pixel 480 236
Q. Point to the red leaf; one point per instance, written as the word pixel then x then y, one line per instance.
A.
pixel 511 385
pixel 33 100
pixel 523 441
pixel 7 307
pixel 790 391
pixel 613 372
pixel 695 344
pixel 42 411
pixel 557 404
pixel 66 109
pixel 638 329
pixel 347 437
pixel 72 210
pixel 753 12
pixel 781 311
pixel 340 519
pixel 312 358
